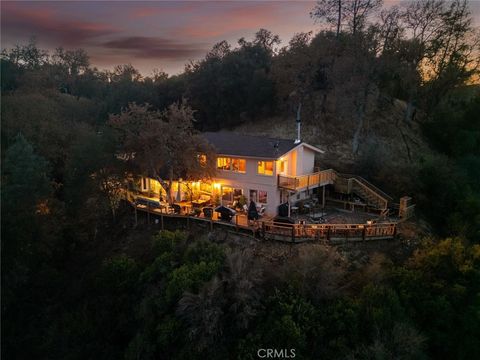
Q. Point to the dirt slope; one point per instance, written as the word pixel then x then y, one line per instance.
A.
pixel 389 148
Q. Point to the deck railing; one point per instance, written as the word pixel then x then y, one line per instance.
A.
pixel 281 231
pixel 315 179
pixel 302 232
pixel 366 183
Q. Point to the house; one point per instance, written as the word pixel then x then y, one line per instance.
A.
pixel 268 171
pixel 261 168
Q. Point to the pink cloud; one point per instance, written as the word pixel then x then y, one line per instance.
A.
pixel 47 23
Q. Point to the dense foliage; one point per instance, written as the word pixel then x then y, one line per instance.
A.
pixel 69 291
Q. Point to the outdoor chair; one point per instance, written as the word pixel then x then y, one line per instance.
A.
pixel 202 200
pixel 177 209
pixel 208 212
pixel 261 212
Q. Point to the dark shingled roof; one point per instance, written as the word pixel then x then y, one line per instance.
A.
pixel 228 143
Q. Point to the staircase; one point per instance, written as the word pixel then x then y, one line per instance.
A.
pixel 373 197
pixel 369 193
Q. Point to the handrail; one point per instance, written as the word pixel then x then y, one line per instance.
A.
pixel 367 183
pixel 329 231
pixel 372 192
pixel 306 180
pixel 294 231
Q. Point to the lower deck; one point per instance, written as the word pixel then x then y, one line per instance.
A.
pixel 330 225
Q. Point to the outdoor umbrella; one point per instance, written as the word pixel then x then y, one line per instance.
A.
pixel 179 194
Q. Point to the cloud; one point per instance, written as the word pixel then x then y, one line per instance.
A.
pixel 228 18
pixel 164 8
pixel 46 23
pixel 155 47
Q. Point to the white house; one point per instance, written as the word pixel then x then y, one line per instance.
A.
pixel 268 171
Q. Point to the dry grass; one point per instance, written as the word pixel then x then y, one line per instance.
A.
pixel 389 151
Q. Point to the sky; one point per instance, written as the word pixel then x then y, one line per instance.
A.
pixel 162 35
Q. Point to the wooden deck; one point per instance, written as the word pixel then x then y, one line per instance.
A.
pixel 304 182
pixel 266 228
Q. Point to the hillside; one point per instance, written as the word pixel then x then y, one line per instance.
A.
pixel 389 147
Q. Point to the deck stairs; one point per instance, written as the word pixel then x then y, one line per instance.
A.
pixel 372 196
pixel 369 193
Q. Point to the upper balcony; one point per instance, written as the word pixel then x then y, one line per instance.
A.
pixel 308 181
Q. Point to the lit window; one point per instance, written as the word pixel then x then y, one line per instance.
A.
pixel 202 159
pixel 223 163
pixel 239 165
pixel 229 194
pixel 265 168
pixel 206 187
pixel 229 164
pixel 262 197
pixel 253 196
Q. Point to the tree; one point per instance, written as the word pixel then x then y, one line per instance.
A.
pixel 25 195
pixel 351 13
pixel 441 52
pixel 164 145
pixel 266 39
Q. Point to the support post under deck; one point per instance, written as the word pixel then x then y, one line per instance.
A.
pixel 323 197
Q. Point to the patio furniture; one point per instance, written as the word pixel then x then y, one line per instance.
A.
pixel 261 212
pixel 177 209
pixel 226 214
pixel 208 212
pixel 202 200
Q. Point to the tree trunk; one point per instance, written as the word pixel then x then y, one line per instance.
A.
pixel 339 20
pixel 360 117
pixel 409 111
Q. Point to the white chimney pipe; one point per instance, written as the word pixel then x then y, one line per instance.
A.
pixel 299 109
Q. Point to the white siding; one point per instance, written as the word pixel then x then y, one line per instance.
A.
pixel 308 160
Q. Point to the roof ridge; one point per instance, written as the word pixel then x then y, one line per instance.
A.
pixel 243 134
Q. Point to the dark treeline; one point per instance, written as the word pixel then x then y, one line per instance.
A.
pixel 66 291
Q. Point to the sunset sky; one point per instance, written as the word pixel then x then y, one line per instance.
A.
pixel 161 35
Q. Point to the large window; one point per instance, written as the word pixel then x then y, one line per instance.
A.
pixel 258 196
pixel 262 197
pixel 253 195
pixel 265 168
pixel 231 164
pixel 223 163
pixel 206 187
pixel 239 165
pixel 230 194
